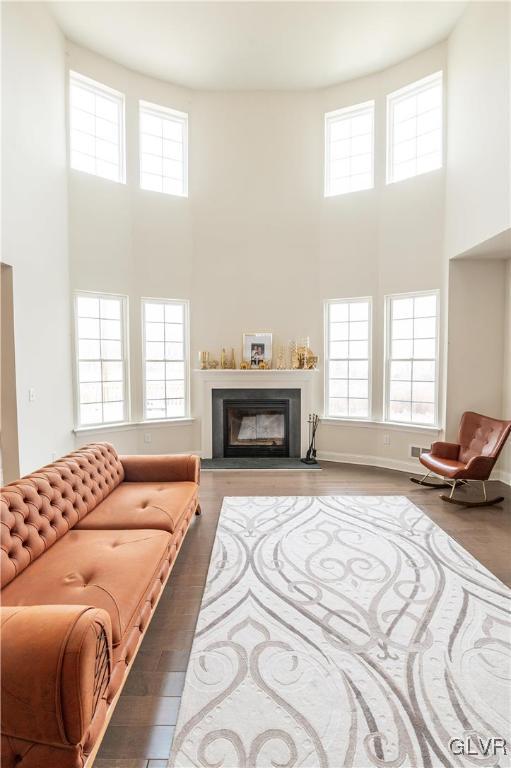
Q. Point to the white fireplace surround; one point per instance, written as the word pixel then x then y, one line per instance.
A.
pixel 238 379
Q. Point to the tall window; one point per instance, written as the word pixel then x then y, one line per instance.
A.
pixel 348 343
pixel 414 129
pixel 412 358
pixel 165 358
pixel 101 358
pixel 96 123
pixel 349 149
pixel 163 149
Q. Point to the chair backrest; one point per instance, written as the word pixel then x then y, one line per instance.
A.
pixel 39 509
pixel 482 436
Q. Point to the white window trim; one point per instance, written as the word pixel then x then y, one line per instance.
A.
pixel 186 349
pixel 387 359
pixel 394 98
pixel 351 111
pixel 158 111
pixel 95 87
pixel 326 315
pixel 125 359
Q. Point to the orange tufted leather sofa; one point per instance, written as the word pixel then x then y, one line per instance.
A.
pixel 87 545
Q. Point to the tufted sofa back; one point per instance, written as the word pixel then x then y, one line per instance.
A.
pixel 40 508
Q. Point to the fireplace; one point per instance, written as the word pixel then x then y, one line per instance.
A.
pixel 255 422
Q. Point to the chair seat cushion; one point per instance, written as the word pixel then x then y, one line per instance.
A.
pixel 143 505
pixel 444 467
pixel 112 570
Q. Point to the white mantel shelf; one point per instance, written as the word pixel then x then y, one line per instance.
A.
pixel 256 372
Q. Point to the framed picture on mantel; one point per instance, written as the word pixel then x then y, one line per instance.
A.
pixel 257 348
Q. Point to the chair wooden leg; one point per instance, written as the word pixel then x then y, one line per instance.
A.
pixel 427 483
pixel 466 503
pixel 198 510
pixel 485 502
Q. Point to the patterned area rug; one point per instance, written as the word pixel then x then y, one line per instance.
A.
pixel 345 632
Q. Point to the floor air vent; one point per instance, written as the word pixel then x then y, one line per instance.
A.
pixel 415 451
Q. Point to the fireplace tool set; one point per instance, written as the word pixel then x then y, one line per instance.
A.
pixel 313 422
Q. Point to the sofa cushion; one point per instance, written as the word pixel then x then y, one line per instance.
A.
pixel 143 505
pixel 112 570
pixel 39 509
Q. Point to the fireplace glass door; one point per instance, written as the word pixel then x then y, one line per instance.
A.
pixel 256 428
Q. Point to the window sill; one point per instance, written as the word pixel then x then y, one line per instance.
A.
pixel 180 420
pixel 127 426
pixel 369 424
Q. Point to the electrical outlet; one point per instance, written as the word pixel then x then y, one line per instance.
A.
pixel 31 395
pixel 147 437
pixel 53 456
pixel 386 439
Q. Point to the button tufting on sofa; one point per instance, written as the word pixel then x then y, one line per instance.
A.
pixel 88 530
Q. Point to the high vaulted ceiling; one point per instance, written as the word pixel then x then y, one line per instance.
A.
pixel 256 45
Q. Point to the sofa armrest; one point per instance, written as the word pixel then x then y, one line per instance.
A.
pixel 445 450
pixel 56 666
pixel 161 469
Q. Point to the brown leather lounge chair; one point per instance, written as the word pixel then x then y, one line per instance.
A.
pixel 480 442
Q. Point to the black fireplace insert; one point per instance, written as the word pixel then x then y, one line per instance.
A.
pixel 256 428
pixel 258 421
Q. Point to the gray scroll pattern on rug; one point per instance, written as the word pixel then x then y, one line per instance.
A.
pixel 344 632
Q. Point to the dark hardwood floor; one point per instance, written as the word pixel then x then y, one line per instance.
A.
pixel 142 727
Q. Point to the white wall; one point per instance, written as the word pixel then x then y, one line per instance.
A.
pixel 126 240
pixel 383 241
pixel 478 216
pixel 9 449
pixel 505 460
pixel 477 307
pixel 256 245
pixel 478 166
pixel 34 233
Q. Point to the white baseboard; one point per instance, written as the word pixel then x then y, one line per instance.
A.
pixel 372 461
pixel 401 465
pixel 415 467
